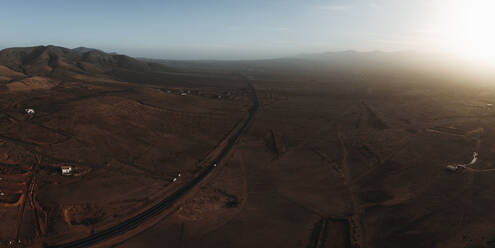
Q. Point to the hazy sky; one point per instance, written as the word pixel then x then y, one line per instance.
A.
pixel 223 29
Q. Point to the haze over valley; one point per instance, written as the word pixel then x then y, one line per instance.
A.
pixel 323 124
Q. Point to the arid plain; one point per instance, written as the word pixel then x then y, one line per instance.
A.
pixel 334 156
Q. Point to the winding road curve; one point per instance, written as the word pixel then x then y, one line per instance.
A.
pixel 168 202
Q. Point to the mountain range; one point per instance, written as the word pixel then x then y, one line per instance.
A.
pixel 62 62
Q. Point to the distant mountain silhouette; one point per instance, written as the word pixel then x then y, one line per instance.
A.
pixel 349 59
pixel 63 62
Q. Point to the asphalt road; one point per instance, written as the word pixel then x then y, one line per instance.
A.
pixel 166 203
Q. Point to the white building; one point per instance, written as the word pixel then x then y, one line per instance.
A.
pixel 66 170
pixel 29 111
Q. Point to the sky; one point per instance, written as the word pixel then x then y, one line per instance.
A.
pixel 234 29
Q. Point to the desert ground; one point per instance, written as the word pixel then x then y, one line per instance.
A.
pixel 348 161
pixel 332 157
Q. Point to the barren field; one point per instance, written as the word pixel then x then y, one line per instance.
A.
pixel 125 141
pixel 335 161
pixel 233 154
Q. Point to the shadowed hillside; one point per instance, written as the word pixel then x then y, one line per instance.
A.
pixel 62 62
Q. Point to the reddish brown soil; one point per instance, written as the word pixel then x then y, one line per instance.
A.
pixel 360 157
pixel 332 159
pixel 126 140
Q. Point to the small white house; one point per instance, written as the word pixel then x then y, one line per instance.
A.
pixel 66 170
pixel 30 111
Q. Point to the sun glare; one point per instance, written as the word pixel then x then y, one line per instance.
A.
pixel 467 29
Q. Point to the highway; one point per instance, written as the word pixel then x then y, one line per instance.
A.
pixel 168 202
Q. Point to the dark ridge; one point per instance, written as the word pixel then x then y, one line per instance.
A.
pixel 62 62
